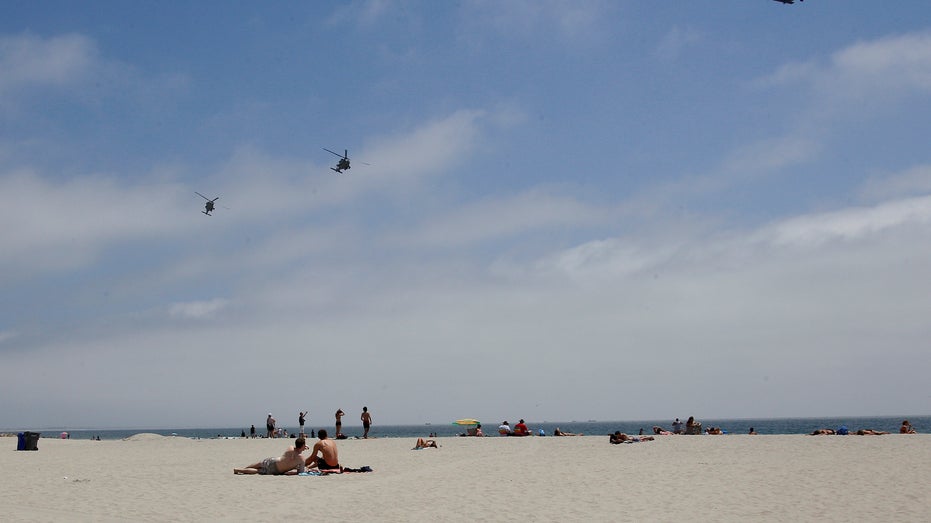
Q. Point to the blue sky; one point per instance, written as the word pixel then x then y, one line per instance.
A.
pixel 572 210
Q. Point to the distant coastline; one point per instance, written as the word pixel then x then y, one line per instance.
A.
pixel 730 426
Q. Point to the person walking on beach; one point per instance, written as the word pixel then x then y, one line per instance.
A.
pixel 366 422
pixel 339 422
pixel 328 458
pixel 300 421
pixel 270 425
pixel 252 431
pixel 291 462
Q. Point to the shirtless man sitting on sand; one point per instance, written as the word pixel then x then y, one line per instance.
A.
pixel 290 463
pixel 328 460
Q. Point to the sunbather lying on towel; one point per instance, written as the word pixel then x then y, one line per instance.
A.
pixel 620 437
pixel 425 443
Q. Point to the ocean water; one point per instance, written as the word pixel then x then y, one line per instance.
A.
pixel 731 426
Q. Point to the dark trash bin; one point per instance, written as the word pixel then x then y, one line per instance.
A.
pixel 20 441
pixel 30 441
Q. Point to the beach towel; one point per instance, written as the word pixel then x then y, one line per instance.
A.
pixel 346 470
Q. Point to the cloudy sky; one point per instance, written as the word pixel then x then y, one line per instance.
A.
pixel 612 210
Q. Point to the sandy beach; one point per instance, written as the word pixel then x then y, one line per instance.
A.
pixel 674 478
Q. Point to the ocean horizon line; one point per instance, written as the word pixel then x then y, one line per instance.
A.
pixel 780 425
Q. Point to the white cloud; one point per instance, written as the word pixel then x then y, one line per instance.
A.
pixel 913 181
pixel 427 149
pixel 197 309
pixel 498 218
pixel 788 301
pixel 850 224
pixel 63 224
pixel 880 69
pixel 771 154
pixel 29 60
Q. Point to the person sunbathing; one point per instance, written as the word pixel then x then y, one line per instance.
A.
pixel 906 428
pixel 425 443
pixel 558 432
pixel 870 432
pixel 291 462
pixel 620 437
pixel 822 432
pixel 660 431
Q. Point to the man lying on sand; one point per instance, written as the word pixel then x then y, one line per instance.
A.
pixel 291 462
pixel 558 432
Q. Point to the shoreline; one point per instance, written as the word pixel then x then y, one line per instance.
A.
pixel 782 426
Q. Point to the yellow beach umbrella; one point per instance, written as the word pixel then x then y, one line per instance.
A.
pixel 466 421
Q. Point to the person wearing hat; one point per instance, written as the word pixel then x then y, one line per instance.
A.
pixel 270 425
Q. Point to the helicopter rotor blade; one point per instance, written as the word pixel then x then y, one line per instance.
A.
pixel 346 153
pixel 202 196
pixel 332 152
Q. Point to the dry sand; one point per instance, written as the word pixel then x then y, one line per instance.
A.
pixel 675 478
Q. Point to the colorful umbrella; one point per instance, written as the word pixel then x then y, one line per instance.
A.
pixel 467 421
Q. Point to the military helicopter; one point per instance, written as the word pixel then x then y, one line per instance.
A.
pixel 343 163
pixel 209 206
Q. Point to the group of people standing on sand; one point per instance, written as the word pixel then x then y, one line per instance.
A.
pixel 272 431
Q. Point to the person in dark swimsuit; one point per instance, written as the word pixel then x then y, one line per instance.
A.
pixel 328 458
pixel 366 422
pixel 339 422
